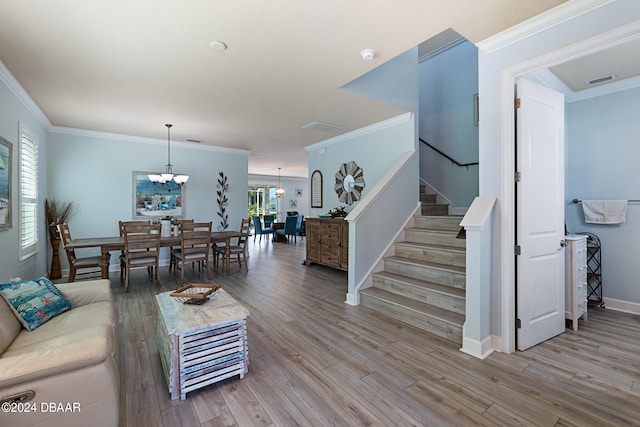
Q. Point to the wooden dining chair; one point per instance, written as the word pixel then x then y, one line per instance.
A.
pixel 239 249
pixel 185 224
pixel 142 249
pixel 121 226
pixel 77 263
pixel 194 247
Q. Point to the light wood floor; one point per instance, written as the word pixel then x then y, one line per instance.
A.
pixel 316 361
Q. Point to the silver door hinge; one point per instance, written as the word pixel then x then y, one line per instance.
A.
pixel 517 250
pixel 518 324
pixel 517 176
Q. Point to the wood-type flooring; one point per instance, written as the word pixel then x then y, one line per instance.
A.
pixel 316 361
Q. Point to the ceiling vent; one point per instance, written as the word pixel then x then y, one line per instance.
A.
pixel 322 127
pixel 197 141
pixel 600 79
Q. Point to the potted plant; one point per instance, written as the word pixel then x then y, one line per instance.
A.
pixel 56 212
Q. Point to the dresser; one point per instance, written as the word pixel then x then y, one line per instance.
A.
pixel 576 278
pixel 328 242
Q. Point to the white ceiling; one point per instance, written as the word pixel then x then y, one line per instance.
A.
pixel 621 60
pixel 129 67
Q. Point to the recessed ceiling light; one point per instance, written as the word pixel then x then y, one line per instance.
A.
pixel 218 46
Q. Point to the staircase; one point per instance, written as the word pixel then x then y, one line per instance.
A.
pixel 423 284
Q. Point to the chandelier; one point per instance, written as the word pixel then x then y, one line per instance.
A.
pixel 279 190
pixel 168 174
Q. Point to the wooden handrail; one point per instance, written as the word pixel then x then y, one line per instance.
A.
pixel 454 161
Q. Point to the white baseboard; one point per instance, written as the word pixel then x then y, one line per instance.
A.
pixel 621 305
pixel 351 300
pixel 478 349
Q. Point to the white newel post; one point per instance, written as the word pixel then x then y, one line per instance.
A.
pixel 476 331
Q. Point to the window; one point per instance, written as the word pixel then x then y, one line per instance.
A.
pixel 28 194
pixel 262 200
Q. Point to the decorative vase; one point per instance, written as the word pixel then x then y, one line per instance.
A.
pixel 55 272
pixel 165 228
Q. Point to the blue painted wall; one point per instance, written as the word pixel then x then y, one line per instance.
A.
pixel 95 172
pixel 602 163
pixel 448 82
pixel 13 112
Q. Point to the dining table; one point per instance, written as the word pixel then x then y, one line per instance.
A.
pixel 116 243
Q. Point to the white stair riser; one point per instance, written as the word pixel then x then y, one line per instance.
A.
pixel 429 274
pixel 443 300
pixel 440 256
pixel 420 320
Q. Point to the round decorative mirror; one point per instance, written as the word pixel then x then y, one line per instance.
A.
pixel 349 183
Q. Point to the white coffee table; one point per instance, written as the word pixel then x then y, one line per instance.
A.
pixel 201 344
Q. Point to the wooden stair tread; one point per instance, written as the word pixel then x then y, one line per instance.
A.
pixel 428 264
pixel 431 286
pixel 421 308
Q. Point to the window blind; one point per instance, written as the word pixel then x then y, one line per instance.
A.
pixel 28 194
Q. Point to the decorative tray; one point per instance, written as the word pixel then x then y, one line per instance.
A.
pixel 194 293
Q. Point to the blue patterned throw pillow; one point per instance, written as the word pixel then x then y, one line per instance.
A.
pixel 34 301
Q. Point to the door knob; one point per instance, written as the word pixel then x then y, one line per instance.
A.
pixel 563 243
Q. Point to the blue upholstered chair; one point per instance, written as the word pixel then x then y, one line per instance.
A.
pixel 289 229
pixel 258 229
pixel 299 228
pixel 268 220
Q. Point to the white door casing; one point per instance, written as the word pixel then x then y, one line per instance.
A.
pixel 540 214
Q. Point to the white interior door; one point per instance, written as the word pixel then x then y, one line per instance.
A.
pixel 540 214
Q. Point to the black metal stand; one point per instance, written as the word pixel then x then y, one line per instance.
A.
pixel 594 270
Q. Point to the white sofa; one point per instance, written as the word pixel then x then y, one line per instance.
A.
pixel 69 362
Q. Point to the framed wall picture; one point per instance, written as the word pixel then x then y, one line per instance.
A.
pixel 156 200
pixel 316 189
pixel 5 183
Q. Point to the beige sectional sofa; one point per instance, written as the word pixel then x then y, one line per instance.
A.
pixel 68 363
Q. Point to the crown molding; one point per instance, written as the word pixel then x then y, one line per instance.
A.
pixel 540 23
pixel 18 91
pixel 143 140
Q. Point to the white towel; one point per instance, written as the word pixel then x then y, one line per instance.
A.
pixel 604 211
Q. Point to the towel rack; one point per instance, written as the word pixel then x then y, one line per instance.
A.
pixel 580 201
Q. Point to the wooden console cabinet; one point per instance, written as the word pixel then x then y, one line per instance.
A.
pixel 328 242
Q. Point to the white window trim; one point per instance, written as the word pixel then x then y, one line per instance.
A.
pixel 27 250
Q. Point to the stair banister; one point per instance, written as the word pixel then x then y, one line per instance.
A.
pixel 476 331
pixel 451 159
pixel 377 218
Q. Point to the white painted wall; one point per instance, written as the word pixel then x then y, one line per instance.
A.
pixel 602 163
pixel 448 82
